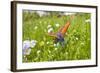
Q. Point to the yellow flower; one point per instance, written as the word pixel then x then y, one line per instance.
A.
pixel 35 27
pixel 57 25
pixel 56 48
pixel 41 43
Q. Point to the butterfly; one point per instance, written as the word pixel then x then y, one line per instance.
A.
pixel 60 34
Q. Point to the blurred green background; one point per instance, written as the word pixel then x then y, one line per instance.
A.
pixel 77 43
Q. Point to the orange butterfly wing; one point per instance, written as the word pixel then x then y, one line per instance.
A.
pixel 64 29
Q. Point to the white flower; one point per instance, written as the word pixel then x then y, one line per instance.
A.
pixel 56 48
pixel 33 43
pixel 55 44
pixel 88 20
pixel 50 30
pixel 38 51
pixel 49 51
pixel 35 27
pixel 76 38
pixel 57 25
pixel 27 45
pixel 48 26
pixel 47 42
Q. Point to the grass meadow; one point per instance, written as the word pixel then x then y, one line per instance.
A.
pixel 77 40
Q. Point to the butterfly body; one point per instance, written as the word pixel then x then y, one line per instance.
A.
pixel 59 36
